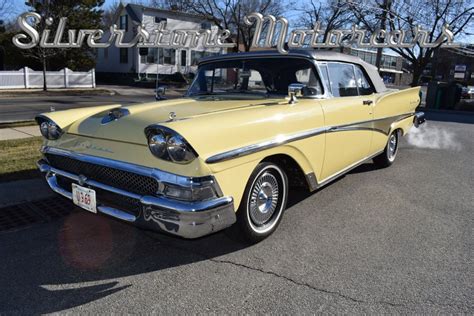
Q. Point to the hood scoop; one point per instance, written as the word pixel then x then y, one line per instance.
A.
pixel 114 115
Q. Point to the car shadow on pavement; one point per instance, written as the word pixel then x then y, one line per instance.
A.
pixel 53 267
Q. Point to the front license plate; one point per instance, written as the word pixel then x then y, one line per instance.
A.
pixel 84 197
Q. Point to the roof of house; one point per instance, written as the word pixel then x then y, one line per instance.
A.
pixel 321 55
pixel 135 12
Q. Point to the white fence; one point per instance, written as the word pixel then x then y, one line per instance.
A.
pixel 28 78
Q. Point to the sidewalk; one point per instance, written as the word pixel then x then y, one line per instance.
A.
pixel 19 132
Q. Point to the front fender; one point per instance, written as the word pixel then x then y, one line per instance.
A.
pixel 232 175
pixel 67 117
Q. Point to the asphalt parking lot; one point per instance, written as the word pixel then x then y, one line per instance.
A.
pixel 395 240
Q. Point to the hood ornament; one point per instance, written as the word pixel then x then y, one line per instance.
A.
pixel 172 116
pixel 114 115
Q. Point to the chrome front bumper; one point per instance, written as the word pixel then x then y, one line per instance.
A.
pixel 185 219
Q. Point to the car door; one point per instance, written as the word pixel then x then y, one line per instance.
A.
pixel 348 118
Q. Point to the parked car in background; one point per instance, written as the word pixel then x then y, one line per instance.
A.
pixel 467 92
pixel 250 126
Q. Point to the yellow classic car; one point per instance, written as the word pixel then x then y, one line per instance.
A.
pixel 250 126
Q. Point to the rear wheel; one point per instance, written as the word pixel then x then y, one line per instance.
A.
pixel 263 203
pixel 389 154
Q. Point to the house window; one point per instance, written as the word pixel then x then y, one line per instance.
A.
pixel 168 56
pixel 373 58
pixel 165 56
pixel 206 25
pixel 196 55
pixel 124 55
pixel 394 62
pixel 150 57
pixel 183 58
pixel 159 20
pixel 124 23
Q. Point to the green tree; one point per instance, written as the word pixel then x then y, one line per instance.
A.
pixel 85 14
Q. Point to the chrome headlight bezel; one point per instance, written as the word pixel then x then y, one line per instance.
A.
pixel 48 128
pixel 164 143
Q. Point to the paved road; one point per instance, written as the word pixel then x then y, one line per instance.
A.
pixel 393 240
pixel 25 108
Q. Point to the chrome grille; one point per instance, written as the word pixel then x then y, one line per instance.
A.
pixel 117 178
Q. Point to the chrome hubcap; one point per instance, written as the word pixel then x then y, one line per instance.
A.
pixel 392 146
pixel 263 199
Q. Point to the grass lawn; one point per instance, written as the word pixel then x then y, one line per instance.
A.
pixel 18 158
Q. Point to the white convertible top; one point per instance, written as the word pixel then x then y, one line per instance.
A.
pixel 321 55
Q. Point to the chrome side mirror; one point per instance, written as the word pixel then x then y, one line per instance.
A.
pixel 160 93
pixel 295 90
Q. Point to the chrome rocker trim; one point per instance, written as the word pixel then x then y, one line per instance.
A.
pixel 184 219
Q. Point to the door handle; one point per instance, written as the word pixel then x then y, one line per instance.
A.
pixel 367 102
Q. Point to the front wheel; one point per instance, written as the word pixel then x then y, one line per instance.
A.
pixel 263 203
pixel 389 154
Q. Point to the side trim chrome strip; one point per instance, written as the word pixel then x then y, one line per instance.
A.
pixel 281 140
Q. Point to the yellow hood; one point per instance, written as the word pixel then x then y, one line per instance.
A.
pixel 211 125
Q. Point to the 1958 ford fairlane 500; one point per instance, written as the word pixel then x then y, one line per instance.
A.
pixel 250 126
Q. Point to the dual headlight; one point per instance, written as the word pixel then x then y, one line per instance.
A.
pixel 166 144
pixel 49 129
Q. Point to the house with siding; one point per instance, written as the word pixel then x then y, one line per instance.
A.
pixel 164 61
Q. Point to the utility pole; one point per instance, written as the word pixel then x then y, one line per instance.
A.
pixel 387 4
pixel 238 28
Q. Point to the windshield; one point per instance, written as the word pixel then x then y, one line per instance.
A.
pixel 262 76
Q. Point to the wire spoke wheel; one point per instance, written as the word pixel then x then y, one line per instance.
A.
pixel 263 199
pixel 392 146
pixel 387 157
pixel 266 199
pixel 263 203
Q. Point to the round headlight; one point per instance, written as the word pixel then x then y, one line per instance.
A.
pixel 166 144
pixel 54 131
pixel 44 128
pixel 157 144
pixel 50 130
pixel 178 150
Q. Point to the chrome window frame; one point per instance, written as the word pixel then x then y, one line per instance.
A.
pixel 367 77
